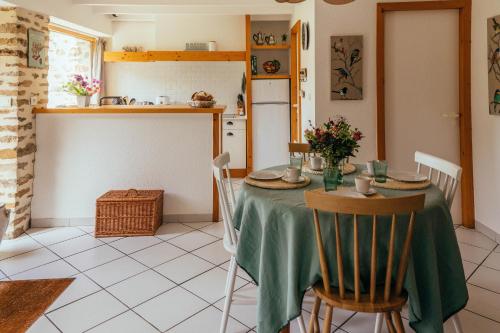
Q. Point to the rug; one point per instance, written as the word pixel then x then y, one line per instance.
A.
pixel 23 301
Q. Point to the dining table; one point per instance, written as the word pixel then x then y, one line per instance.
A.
pixel 277 248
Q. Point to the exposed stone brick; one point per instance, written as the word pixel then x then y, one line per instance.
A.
pixel 24 179
pixel 28 149
pixel 14 53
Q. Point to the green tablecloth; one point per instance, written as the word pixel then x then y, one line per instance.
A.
pixel 278 250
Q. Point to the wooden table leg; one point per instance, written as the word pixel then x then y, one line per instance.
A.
pixel 216 147
pixel 286 329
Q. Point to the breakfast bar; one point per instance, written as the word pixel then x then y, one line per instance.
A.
pixel 87 151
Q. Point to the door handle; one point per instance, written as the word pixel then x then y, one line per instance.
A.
pixel 229 134
pixel 450 115
pixel 230 123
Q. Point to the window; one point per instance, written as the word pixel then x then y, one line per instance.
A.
pixel 69 53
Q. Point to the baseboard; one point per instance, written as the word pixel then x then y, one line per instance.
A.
pixel 90 221
pixel 488 232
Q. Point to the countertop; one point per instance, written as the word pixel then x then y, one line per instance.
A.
pixel 178 108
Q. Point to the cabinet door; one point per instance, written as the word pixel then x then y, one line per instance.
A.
pixel 234 142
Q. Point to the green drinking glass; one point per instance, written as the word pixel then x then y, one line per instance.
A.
pixel 296 162
pixel 380 171
pixel 331 178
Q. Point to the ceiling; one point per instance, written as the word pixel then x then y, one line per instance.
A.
pixel 125 9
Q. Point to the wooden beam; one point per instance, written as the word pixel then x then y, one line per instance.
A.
pixel 117 109
pixel 248 92
pixel 216 148
pixel 381 153
pixel 118 56
pixel 421 5
pixel 468 210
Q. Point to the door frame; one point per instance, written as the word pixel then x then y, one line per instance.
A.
pixel 464 7
pixel 295 99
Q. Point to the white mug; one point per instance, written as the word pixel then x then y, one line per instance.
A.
pixel 362 184
pixel 316 162
pixel 212 46
pixel 292 174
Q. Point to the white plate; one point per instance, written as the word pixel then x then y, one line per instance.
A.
pixel 266 175
pixel 370 192
pixel 300 180
pixel 407 177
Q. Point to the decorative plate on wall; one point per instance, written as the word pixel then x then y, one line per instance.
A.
pixel 305 35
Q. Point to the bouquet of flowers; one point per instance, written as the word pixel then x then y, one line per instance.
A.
pixel 82 86
pixel 335 140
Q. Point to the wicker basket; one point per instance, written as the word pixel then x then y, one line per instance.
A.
pixel 129 213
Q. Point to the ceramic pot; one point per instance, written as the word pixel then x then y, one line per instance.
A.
pixel 82 101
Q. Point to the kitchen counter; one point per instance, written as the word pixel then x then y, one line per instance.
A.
pixel 84 152
pixel 177 108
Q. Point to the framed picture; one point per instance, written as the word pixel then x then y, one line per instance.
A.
pixel 346 68
pixel 36 49
pixel 494 64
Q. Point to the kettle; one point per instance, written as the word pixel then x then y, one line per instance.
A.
pixel 161 100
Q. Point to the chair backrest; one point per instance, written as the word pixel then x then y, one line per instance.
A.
pixel 220 165
pixel 442 173
pixel 301 148
pixel 319 201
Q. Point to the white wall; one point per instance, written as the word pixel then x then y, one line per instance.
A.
pixel 178 80
pixel 80 157
pixel 485 128
pixel 173 31
pixel 359 17
pixel 305 12
pixel 77 17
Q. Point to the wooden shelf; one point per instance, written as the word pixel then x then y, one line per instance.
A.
pixel 107 109
pixel 270 76
pixel 271 47
pixel 151 56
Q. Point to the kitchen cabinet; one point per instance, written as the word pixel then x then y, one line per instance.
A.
pixel 234 141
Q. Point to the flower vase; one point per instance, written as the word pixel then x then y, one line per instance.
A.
pixel 332 176
pixel 82 101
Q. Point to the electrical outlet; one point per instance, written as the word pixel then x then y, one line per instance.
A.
pixel 33 100
pixel 5 101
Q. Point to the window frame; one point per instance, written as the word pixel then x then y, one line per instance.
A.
pixel 62 30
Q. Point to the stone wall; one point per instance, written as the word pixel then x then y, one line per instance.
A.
pixel 17 126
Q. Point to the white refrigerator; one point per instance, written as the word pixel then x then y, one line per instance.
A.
pixel 271 122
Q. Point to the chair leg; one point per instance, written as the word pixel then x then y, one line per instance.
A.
pixel 456 322
pixel 378 322
pixel 314 322
pixel 327 323
pixel 231 278
pixel 302 326
pixel 396 315
pixel 388 321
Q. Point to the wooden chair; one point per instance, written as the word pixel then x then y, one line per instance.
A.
pixel 442 173
pixel 387 298
pixel 446 176
pixel 220 166
pixel 300 148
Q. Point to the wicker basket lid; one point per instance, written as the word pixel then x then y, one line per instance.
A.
pixel 131 194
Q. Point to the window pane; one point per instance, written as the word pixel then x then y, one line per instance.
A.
pixel 68 55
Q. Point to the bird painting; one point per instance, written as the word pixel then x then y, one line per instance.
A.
pixel 342 92
pixel 346 68
pixel 494 64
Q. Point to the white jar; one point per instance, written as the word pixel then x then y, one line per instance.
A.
pixel 212 46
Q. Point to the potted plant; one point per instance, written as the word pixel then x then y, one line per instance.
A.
pixel 284 39
pixel 82 88
pixel 336 141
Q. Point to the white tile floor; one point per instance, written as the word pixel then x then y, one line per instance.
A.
pixel 174 282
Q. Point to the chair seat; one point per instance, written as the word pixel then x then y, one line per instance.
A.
pixel 395 303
